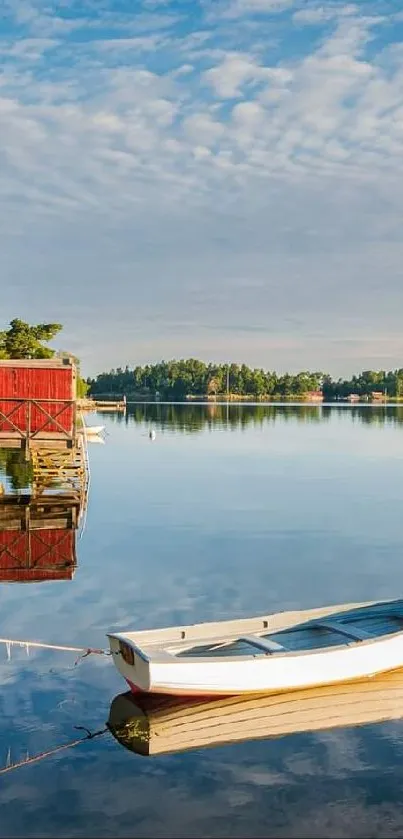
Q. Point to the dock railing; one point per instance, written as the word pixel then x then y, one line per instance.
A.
pixel 32 422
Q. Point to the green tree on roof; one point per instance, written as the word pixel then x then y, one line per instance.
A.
pixel 24 341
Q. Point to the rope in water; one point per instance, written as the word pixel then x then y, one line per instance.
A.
pixel 9 642
pixel 50 752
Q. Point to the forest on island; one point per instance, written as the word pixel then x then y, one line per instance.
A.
pixel 191 377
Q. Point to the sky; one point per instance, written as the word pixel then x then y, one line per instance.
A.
pixel 219 179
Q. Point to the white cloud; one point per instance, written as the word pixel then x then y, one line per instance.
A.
pixel 236 70
pixel 197 151
pixel 239 8
pixel 28 49
pixel 134 45
pixel 201 128
pixel 315 15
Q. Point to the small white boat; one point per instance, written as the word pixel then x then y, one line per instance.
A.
pixel 92 430
pixel 96 438
pixel 269 654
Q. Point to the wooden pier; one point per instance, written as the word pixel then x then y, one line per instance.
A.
pixel 102 404
pixel 61 471
pixel 28 424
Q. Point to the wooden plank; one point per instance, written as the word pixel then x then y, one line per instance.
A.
pixel 14 440
pixel 263 644
pixel 352 632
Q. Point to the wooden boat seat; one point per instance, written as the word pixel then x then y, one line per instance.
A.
pixel 263 644
pixel 352 632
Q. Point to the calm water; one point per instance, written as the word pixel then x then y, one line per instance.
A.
pixel 228 512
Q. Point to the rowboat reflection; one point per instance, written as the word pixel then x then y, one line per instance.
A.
pixel 149 724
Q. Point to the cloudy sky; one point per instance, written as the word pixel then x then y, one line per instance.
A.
pixel 216 178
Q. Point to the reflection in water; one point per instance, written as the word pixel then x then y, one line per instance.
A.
pixel 41 512
pixel 188 417
pixel 16 468
pixel 151 724
pixel 38 537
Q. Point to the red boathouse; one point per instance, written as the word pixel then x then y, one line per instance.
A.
pixel 37 403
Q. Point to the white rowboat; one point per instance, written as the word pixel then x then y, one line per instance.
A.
pixel 269 654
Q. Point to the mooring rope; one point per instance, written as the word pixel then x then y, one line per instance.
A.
pixel 9 642
pixel 50 752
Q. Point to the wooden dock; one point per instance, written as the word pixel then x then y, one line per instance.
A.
pixel 101 405
pixel 14 440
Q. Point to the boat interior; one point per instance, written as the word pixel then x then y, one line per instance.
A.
pixel 361 624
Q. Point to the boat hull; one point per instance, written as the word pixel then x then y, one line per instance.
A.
pixel 275 675
pixel 262 673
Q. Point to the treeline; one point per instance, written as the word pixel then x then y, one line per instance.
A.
pixel 368 382
pixel 189 377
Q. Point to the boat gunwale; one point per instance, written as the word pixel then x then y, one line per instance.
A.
pixel 153 654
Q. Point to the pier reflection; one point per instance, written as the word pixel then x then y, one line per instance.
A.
pixel 43 503
pixel 38 537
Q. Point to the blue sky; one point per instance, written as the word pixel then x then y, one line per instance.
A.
pixel 216 178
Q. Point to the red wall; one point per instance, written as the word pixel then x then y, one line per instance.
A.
pixel 24 382
pixel 37 555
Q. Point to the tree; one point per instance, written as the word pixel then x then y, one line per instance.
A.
pixel 19 471
pixel 24 341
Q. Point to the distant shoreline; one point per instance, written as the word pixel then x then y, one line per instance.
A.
pixel 194 380
pixel 240 399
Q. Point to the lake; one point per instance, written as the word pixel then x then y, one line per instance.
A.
pixel 230 511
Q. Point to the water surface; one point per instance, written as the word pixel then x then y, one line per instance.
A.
pixel 228 512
